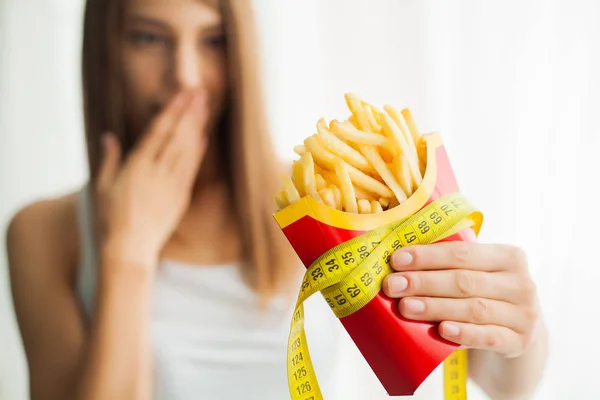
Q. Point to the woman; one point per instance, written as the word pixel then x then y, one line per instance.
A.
pixel 130 289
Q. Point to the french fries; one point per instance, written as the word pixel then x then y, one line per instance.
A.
pixel 369 163
pixel 376 207
pixel 320 181
pixel 341 149
pixel 364 207
pixel 300 150
pixel 348 195
pixel 347 131
pixel 328 197
pixel 290 193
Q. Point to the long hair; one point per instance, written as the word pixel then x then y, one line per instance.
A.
pixel 245 144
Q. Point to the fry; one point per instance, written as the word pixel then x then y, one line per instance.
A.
pixel 333 121
pixel 364 207
pixel 376 207
pixel 327 196
pixel 399 120
pixel 381 167
pixel 362 194
pixel 298 179
pixel 375 126
pixel 384 201
pixel 403 174
pixel 391 130
pixel 337 196
pixel 291 193
pixel 368 124
pixel 348 196
pixel 412 127
pixel 355 107
pixel 320 155
pixel 373 110
pixel 330 177
pixel 320 181
pixel 300 150
pixel 388 152
pixel 338 147
pixel 349 132
pixel 318 170
pixel 281 200
pixel 368 183
pixel 327 160
pixel 307 166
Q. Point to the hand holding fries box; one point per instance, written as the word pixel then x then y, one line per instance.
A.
pixel 362 189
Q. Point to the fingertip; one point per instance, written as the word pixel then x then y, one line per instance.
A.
pixel 112 144
pixel 110 157
pixel 385 286
pixel 182 98
pixel 200 106
pixel 449 330
pixel 394 285
pixel 402 259
pixel 105 138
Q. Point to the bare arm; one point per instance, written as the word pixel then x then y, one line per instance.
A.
pixel 116 364
pixel 65 360
pixel 51 328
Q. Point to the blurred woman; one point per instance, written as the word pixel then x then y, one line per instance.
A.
pixel 166 276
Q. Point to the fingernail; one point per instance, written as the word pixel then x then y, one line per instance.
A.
pixel 397 284
pixel 451 330
pixel 182 98
pixel 105 137
pixel 402 259
pixel 199 100
pixel 414 306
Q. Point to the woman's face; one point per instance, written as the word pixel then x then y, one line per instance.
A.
pixel 169 45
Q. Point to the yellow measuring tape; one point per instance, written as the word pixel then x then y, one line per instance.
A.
pixel 350 275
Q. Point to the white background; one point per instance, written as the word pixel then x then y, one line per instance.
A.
pixel 513 86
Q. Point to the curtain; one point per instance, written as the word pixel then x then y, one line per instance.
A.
pixel 512 86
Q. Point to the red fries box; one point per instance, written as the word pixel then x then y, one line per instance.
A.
pixel 402 353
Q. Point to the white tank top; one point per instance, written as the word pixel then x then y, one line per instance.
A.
pixel 211 341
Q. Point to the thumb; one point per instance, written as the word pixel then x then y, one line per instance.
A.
pixel 111 159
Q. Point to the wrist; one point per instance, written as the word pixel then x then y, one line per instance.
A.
pixel 122 261
pixel 121 249
pixel 115 270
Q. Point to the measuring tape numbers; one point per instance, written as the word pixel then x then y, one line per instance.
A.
pixel 350 275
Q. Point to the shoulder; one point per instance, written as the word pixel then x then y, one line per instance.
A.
pixel 44 233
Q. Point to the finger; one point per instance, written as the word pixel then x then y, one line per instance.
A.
pixel 187 135
pixel 162 127
pixel 463 255
pixel 476 311
pixel 111 159
pixel 458 283
pixel 186 167
pixel 499 339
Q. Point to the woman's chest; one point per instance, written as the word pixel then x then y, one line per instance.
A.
pixel 210 336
